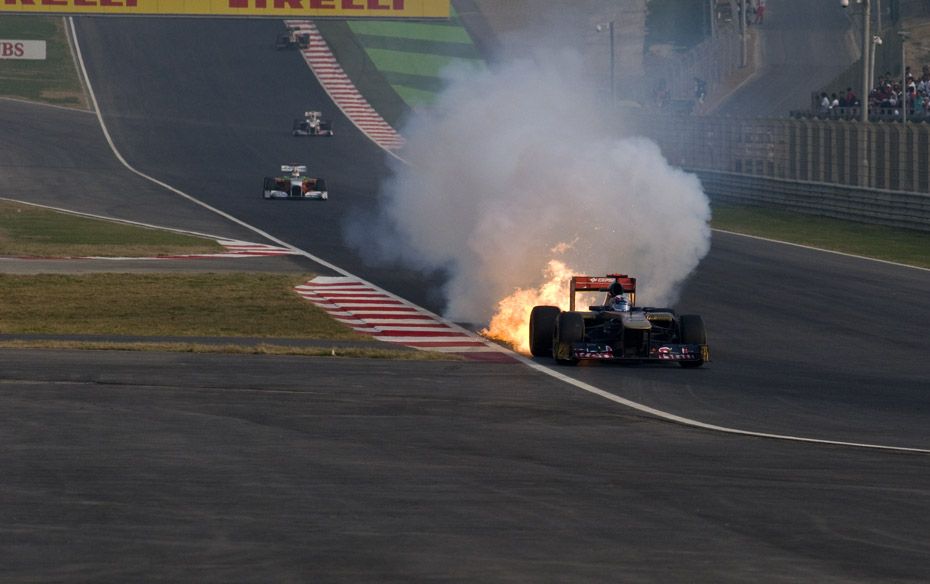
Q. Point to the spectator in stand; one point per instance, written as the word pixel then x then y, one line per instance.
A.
pixel 886 98
pixel 851 100
pixel 661 93
pixel 700 89
pixel 760 11
pixel 824 103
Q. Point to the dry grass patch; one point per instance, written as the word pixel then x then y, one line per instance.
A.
pixel 186 305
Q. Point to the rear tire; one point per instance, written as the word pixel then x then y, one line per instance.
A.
pixel 691 327
pixel 569 329
pixel 542 329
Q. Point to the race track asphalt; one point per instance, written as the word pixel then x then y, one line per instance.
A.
pixel 161 467
pixel 120 467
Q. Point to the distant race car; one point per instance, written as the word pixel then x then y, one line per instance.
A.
pixel 292 39
pixel 616 330
pixel 312 125
pixel 295 185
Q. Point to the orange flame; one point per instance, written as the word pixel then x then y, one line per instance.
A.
pixel 511 324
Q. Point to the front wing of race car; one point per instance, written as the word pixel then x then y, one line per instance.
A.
pixel 312 195
pixel 658 353
pixel 322 131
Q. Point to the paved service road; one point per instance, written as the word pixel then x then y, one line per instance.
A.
pixel 125 467
pixel 803 46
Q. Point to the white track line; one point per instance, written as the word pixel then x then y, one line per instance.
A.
pixel 78 110
pixel 834 252
pixel 114 220
pixel 236 247
pixel 535 366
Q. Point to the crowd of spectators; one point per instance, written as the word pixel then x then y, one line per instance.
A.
pixel 886 99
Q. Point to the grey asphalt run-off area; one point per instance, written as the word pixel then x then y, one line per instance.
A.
pixel 174 467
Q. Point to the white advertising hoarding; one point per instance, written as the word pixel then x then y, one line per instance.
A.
pixel 26 50
pixel 400 9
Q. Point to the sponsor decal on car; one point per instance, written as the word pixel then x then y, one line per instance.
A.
pixel 683 353
pixel 594 352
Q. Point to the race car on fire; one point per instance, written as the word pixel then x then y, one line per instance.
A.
pixel 616 330
pixel 295 185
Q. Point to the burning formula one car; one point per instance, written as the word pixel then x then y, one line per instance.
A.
pixel 295 186
pixel 312 125
pixel 617 330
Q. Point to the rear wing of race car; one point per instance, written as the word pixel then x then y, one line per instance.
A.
pixel 294 169
pixel 602 284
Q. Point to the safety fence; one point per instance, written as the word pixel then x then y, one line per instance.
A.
pixel 887 163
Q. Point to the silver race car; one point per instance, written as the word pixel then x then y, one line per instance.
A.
pixel 312 124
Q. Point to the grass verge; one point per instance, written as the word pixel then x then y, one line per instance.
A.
pixel 33 231
pixel 54 80
pixel 237 305
pixel 876 241
pixel 167 305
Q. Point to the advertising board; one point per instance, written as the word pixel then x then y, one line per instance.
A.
pixel 402 9
pixel 22 50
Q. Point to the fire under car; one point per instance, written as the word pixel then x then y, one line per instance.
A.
pixel 616 330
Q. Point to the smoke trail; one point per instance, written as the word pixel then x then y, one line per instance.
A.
pixel 515 161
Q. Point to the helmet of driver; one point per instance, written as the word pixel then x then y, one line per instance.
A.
pixel 619 303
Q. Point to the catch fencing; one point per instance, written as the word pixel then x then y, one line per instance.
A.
pixel 870 172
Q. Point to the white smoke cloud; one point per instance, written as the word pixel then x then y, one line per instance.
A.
pixel 514 161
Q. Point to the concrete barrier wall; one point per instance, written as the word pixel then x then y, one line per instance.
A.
pixel 896 209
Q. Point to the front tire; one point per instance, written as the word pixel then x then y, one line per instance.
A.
pixel 569 330
pixel 542 329
pixel 691 327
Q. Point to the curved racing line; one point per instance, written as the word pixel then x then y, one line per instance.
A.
pixel 529 363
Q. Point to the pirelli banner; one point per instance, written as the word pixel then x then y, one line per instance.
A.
pixel 414 9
